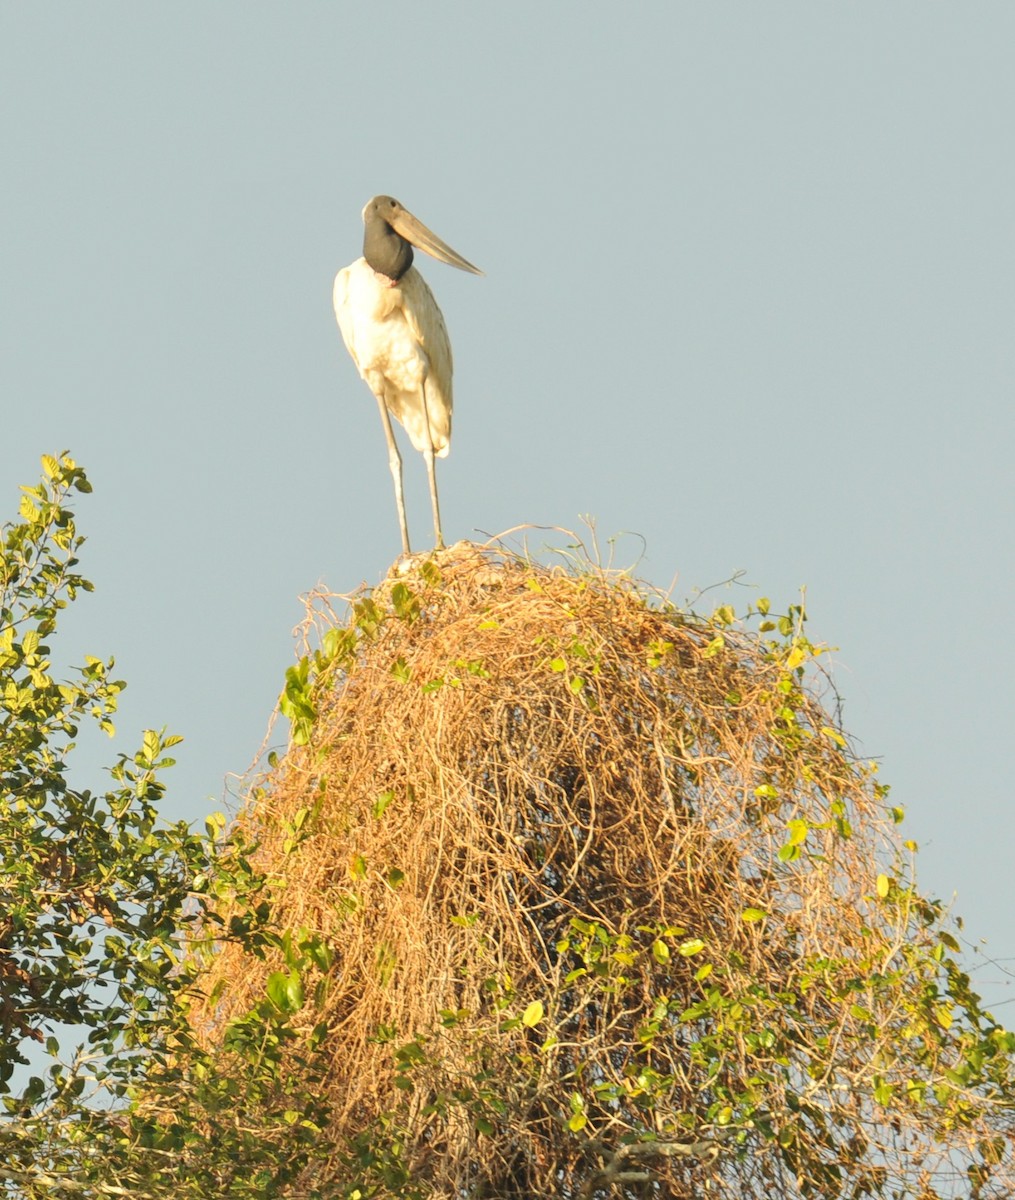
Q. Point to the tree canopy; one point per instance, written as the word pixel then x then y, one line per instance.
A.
pixel 98 904
pixel 589 896
pixel 557 890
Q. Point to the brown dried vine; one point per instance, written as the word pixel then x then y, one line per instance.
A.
pixel 543 835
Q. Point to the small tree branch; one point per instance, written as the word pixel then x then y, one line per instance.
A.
pixel 705 1149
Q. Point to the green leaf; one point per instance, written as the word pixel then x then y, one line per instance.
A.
pixel 405 603
pixel 214 825
pixel 658 649
pixel 533 1014
pixel 798 831
pixel 430 573
pixel 285 990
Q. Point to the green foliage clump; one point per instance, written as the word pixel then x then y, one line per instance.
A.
pixel 104 1091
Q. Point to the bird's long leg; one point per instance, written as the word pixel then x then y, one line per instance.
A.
pixel 431 474
pixel 395 463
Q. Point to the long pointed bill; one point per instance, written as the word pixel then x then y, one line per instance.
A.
pixel 413 230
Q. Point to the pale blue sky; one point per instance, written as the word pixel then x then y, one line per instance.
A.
pixel 750 292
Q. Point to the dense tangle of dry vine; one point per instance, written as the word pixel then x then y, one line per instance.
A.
pixel 538 826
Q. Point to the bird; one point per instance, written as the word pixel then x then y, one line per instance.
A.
pixel 397 338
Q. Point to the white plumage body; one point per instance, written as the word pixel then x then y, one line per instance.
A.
pixel 397 338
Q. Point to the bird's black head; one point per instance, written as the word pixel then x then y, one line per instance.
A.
pixel 383 247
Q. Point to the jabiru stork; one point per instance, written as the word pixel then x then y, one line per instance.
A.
pixel 396 335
